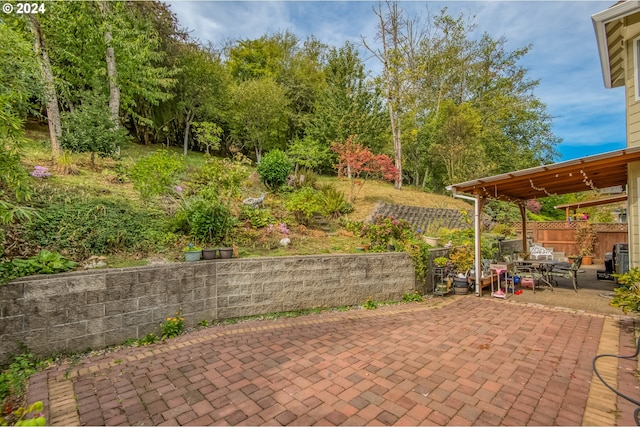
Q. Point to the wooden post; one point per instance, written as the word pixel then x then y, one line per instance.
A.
pixel 523 214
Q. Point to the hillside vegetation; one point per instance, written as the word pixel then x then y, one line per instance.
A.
pixel 89 210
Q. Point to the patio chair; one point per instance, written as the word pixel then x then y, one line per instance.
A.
pixel 526 270
pixel 569 271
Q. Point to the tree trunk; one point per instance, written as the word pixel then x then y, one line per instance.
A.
pixel 53 112
pixel 397 152
pixel 258 153
pixel 186 133
pixel 112 72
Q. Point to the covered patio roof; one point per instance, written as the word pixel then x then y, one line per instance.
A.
pixel 588 173
pixel 589 203
pixel 597 202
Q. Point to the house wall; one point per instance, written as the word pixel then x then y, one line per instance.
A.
pixel 93 309
pixel 631 32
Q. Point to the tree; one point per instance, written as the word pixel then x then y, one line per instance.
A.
pixel 454 135
pixel 295 66
pixel 359 164
pixel 112 72
pixel 201 90
pixel 308 153
pixel 207 135
pixel 399 38
pixel 259 108
pixel 350 103
pixel 482 79
pixel 51 98
pixel 84 43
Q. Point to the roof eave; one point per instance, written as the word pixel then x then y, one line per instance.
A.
pixel 600 19
pixel 455 188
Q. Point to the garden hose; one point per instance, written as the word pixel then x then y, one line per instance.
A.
pixel 636 413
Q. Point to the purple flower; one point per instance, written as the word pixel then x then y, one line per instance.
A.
pixel 178 189
pixel 40 172
pixel 283 228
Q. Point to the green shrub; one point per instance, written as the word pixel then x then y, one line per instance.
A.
pixel 257 217
pixel 89 129
pixel 96 226
pixel 13 382
pixel 206 220
pixel 419 252
pixel 156 174
pixel 304 203
pixel 14 179
pixel 274 169
pixel 210 221
pixel 13 379
pixel 385 229
pixel 46 262
pixel 627 296
pixel 370 304
pixel 334 202
pixel 226 176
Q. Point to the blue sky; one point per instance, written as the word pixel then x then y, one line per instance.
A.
pixel 589 118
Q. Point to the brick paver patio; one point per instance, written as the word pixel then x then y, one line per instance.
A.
pixel 456 361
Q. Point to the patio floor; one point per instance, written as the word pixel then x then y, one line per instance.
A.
pixel 459 360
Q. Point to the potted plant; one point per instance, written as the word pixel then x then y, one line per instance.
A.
pixel 440 261
pixel 225 253
pixel 587 240
pixel 192 253
pixel 431 236
pixel 209 253
pixel 462 257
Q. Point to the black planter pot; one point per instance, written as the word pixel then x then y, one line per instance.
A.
pixel 225 253
pixel 460 286
pixel 209 253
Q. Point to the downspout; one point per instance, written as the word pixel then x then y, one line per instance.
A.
pixel 478 251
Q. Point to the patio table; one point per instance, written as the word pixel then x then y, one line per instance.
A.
pixel 540 271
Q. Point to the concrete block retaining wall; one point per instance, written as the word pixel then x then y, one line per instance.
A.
pixel 93 309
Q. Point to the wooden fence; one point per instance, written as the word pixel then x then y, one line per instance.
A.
pixel 560 235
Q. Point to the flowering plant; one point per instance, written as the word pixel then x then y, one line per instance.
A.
pixel 173 326
pixel 385 229
pixel 40 172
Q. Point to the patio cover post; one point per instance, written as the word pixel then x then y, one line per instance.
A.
pixel 478 252
pixel 523 215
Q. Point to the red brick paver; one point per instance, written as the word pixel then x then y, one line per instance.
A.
pixel 473 361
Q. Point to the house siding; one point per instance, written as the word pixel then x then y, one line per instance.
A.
pixel 631 32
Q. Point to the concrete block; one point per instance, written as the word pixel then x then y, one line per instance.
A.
pixel 119 336
pixel 12 325
pixel 86 342
pixel 103 324
pixel 66 331
pixel 11 292
pixel 45 288
pixel 85 312
pixel 238 266
pixel 86 283
pixel 121 306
